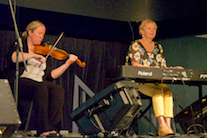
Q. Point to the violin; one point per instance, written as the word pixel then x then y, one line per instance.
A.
pixel 55 53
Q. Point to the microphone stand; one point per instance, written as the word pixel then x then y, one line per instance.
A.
pixel 17 134
pixel 17 55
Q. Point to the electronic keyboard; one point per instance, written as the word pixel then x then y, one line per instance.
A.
pixel 163 75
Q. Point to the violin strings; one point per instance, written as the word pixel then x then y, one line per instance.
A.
pixel 61 51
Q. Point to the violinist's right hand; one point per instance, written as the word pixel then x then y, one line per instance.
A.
pixel 39 58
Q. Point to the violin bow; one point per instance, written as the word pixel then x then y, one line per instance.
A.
pixel 61 35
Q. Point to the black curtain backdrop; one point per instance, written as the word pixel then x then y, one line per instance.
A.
pixel 99 56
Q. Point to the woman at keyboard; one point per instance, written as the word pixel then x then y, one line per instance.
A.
pixel 145 52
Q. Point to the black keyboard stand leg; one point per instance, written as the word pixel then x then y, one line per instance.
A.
pixel 200 103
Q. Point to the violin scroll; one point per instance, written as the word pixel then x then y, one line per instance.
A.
pixel 81 64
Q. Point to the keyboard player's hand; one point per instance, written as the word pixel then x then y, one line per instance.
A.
pixel 154 66
pixel 177 67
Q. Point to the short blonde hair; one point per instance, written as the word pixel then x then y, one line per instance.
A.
pixel 144 22
pixel 32 26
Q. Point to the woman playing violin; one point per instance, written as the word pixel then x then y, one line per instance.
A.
pixel 35 81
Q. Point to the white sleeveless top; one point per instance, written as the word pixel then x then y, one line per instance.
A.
pixel 35 70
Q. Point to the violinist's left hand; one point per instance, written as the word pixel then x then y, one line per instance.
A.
pixel 72 58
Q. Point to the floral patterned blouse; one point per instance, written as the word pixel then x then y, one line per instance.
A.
pixel 139 54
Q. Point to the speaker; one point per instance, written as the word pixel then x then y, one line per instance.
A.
pixel 113 109
pixel 9 117
pixel 186 117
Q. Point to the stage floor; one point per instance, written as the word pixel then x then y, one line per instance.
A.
pixel 24 135
pixel 65 134
pixel 184 136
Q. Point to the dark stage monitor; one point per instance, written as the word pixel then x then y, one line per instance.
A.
pixel 9 119
pixel 113 109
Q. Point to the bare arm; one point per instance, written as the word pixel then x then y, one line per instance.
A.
pixel 55 73
pixel 140 65
pixel 27 56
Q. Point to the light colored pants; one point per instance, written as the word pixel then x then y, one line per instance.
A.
pixel 162 98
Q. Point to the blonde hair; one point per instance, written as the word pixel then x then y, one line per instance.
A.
pixel 144 22
pixel 32 26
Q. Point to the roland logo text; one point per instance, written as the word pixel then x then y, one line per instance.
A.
pixel 145 73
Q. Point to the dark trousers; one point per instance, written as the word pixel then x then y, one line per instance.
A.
pixel 48 100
